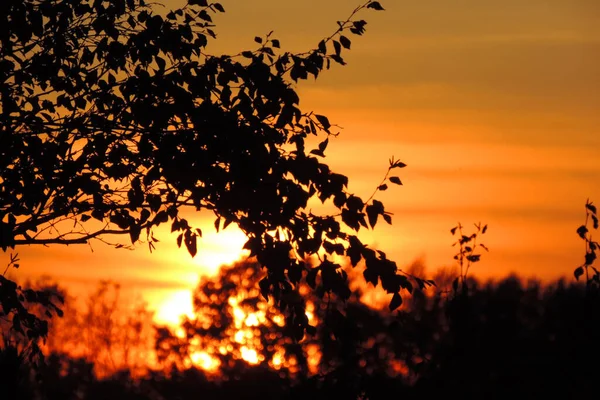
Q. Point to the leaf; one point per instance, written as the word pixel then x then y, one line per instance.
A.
pixel 595 221
pixel 371 276
pixel 387 218
pixel 160 218
pixel 264 286
pixel 337 46
pixel 322 47
pixel 396 301
pixel 323 145
pixel 134 233
pixel 382 187
pixel 578 272
pixel 85 218
pixel 258 39
pixel 345 42
pixel 275 43
pixel 338 59
pixel 324 121
pixel 453 230
pixel 398 164
pixel 179 240
pixel 218 7
pixel 372 214
pixel 591 207
pixel 191 244
pixel 590 257
pixel 474 257
pixel 582 231
pixel 144 215
pixel 396 180
pixel 375 6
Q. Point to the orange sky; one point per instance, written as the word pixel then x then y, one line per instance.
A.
pixel 494 105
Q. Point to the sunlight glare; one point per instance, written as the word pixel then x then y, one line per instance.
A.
pixel 205 361
pixel 173 308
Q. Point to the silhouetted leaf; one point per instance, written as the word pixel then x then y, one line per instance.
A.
pixel 582 231
pixel 371 276
pixel 396 301
pixel 322 47
pixel 345 42
pixel 372 214
pixel 191 244
pixel 134 233
pixel 578 272
pixel 375 6
pixel 591 207
pixel 324 121
pixel 590 257
pixel 396 180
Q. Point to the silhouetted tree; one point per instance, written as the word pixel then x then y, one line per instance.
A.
pixel 115 118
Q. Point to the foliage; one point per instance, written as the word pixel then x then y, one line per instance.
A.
pixel 115 118
pixel 517 338
pixel 233 328
pixel 112 331
pixel 591 246
pixel 24 313
pixel 467 253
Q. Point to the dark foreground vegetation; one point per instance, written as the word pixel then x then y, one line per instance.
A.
pixel 496 340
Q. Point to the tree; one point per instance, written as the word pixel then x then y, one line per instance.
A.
pixel 115 118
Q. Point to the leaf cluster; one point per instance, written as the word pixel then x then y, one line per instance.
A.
pixel 114 118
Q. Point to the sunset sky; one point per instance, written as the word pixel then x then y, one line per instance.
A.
pixel 494 105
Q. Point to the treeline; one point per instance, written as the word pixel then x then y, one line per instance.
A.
pixel 488 340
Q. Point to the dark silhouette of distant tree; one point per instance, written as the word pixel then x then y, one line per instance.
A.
pixel 369 355
pixel 114 119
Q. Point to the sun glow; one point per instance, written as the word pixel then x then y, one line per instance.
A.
pixel 174 307
pixel 205 361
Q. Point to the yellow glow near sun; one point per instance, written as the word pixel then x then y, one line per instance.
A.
pixel 214 251
pixel 205 361
pixel 218 249
pixel 174 307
